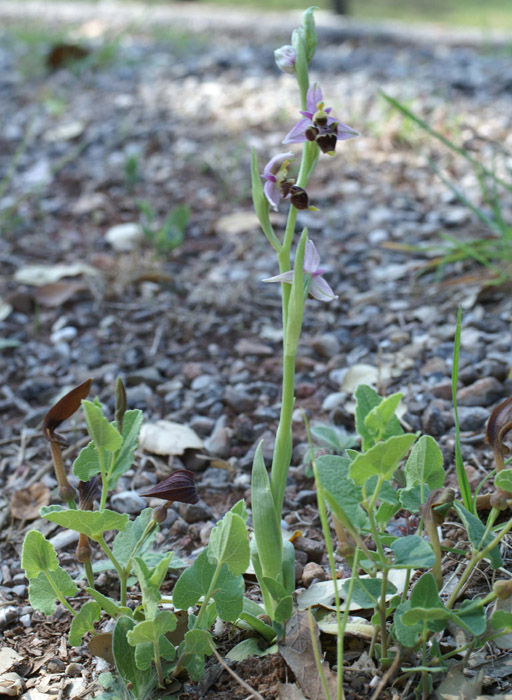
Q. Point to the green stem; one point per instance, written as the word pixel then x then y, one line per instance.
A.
pixel 58 594
pixel 89 573
pixel 382 615
pixel 158 664
pixel 283 444
pixel 104 479
pixel 117 566
pixel 316 654
pixel 147 531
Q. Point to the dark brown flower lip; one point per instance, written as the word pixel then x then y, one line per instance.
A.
pixel 179 486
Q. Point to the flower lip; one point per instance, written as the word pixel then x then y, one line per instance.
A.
pixel 179 486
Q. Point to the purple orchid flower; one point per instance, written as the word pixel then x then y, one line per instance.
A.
pixel 318 125
pixel 319 288
pixel 275 174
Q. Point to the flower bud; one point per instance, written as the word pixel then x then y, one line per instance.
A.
pixel 503 589
pixel 286 57
pixel 83 550
pixel 346 550
pixel 67 493
pixel 160 514
pixel 499 500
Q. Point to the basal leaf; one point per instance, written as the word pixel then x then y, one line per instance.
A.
pixel 42 594
pixel 377 420
pixel 103 433
pixel 107 604
pixel 150 630
pixel 413 498
pixel 240 509
pixel 501 620
pixel 88 522
pixel 471 617
pixel 382 459
pixel 503 480
pixel 425 593
pixel 199 642
pixel 87 464
pixel 413 552
pixel 367 399
pixel 367 591
pixel 229 544
pixel 83 622
pixel 124 655
pixel 333 472
pixel 284 609
pixel 415 615
pixel 406 635
pixel 37 554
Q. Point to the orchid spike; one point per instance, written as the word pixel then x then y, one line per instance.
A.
pixel 318 125
pixel 319 288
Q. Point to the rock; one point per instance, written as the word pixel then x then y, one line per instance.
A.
pixel 473 418
pixel 214 478
pixel 334 400
pixel 313 549
pixel 219 442
pixel 311 572
pixel 128 502
pixel 125 237
pixel 268 438
pixel 326 345
pixel 194 512
pixel 239 400
pixel 147 375
pixel 243 429
pixel 442 390
pixel 434 419
pixel 483 392
pixel 202 382
pixel 306 497
pixel 205 532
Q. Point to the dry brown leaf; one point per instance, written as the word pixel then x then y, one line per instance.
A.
pixel 101 645
pixel 58 293
pixel 297 651
pixel 26 503
pixel 290 691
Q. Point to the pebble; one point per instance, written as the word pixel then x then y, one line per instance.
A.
pixel 326 345
pixel 214 478
pixel 434 419
pixel 147 375
pixel 483 392
pixel 128 502
pixel 20 590
pixel 313 549
pixel 268 438
pixel 473 418
pixel 239 400
pixel 194 512
pixel 306 497
pixel 312 572
pixel 219 442
pixel 332 401
pixel 64 335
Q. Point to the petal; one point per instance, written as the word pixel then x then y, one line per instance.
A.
pixel 321 290
pixel 273 165
pixel 313 97
pixel 296 134
pixel 344 132
pixel 309 115
pixel 180 486
pixel 272 193
pixel 283 277
pixel 311 258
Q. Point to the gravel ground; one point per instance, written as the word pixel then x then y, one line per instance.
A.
pixel 168 116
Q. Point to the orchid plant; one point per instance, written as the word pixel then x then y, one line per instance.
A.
pixel 319 131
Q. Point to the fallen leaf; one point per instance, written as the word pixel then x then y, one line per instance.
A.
pixel 125 237
pixel 65 132
pixel 290 691
pixel 11 685
pixel 40 275
pixel 457 686
pixel 236 223
pixel 26 503
pixel 8 658
pixel 297 651
pixel 101 645
pixel 359 374
pixel 356 627
pixel 167 438
pixel 57 293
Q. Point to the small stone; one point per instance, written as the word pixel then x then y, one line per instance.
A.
pixel 268 438
pixel 202 425
pixel 305 389
pixel 326 345
pixel 442 390
pixel 202 382
pixel 205 532
pixel 311 572
pixel 20 590
pixel 128 502
pixel 219 442
pixel 243 429
pixel 194 512
pixel 179 528
pixel 483 392
pixel 473 418
pixel 214 478
pixel 306 497
pixel 64 334
pixel 147 375
pixel 239 400
pixel 26 620
pixel 313 549
pixel 434 419
pixel 73 669
pixel 334 400
pixel 125 237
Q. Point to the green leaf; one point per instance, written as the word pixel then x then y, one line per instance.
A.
pixel 335 438
pixel 411 499
pixel 87 464
pixel 377 420
pixel 267 529
pixel 261 205
pixel 382 459
pixel 199 642
pixel 413 552
pixel 249 647
pixel 284 609
pixel 367 591
pixel 144 655
pixel 103 433
pixel 503 480
pixel 425 466
pixel 229 544
pixel 83 622
pixel 476 529
pixel 501 620
pixel 150 593
pixel 415 615
pixel 125 543
pixel 406 635
pixel 124 655
pixel 386 512
pixel 107 604
pixel 42 594
pixel 366 399
pixel 37 555
pixel 194 663
pixel 88 522
pixel 195 581
pixel 240 509
pixel 425 593
pixel 150 630
pixel 132 422
pixel 471 617
pixel 333 472
pixel 159 572
pixel 276 589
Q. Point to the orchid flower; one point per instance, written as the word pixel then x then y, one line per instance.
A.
pixel 279 186
pixel 318 125
pixel 319 288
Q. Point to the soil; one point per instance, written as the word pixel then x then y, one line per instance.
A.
pixel 141 120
